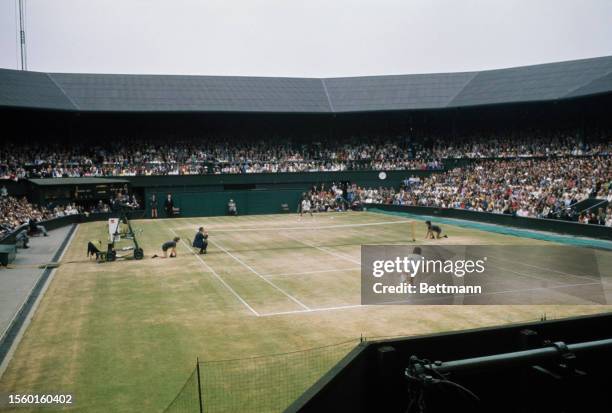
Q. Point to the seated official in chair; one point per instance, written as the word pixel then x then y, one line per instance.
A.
pixel 231 207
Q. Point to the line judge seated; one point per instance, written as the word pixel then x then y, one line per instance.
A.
pixel 231 208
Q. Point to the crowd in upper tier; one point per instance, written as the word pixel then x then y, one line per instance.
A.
pixel 215 156
pixel 541 176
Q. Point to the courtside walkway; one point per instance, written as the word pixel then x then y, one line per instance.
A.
pixel 18 284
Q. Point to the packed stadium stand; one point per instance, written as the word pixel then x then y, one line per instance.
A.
pixel 517 157
pixel 529 141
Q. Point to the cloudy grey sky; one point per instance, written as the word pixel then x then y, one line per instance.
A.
pixel 311 38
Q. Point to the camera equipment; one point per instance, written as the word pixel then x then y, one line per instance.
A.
pixel 551 373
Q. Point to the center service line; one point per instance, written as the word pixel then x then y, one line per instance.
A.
pixel 298 302
pixel 308 244
pixel 217 275
pixel 310 272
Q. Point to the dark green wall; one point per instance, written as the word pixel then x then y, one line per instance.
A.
pixel 194 203
pixel 207 195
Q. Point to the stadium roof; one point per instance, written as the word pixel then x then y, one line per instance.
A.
pixel 155 93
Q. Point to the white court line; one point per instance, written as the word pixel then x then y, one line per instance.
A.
pixel 535 277
pixel 298 273
pixel 313 310
pixel 305 227
pixel 295 300
pixel 310 272
pixel 311 245
pixel 404 301
pixel 587 277
pixel 217 275
pixel 228 221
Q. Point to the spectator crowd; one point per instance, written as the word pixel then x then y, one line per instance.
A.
pixel 344 196
pixel 135 157
pixel 17 212
pixel 542 176
pixel 216 156
pixel 538 188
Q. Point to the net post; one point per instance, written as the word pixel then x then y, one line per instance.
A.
pixel 199 384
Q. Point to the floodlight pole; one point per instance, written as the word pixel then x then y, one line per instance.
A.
pixel 22 38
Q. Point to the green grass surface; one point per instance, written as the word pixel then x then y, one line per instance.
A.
pixel 124 336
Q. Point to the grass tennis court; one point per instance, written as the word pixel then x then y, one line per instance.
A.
pixel 124 336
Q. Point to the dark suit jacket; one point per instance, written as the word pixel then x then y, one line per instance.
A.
pixel 169 206
pixel 200 240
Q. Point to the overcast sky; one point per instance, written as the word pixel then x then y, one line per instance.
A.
pixel 308 38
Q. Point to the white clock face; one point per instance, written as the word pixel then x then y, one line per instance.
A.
pixel 382 175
